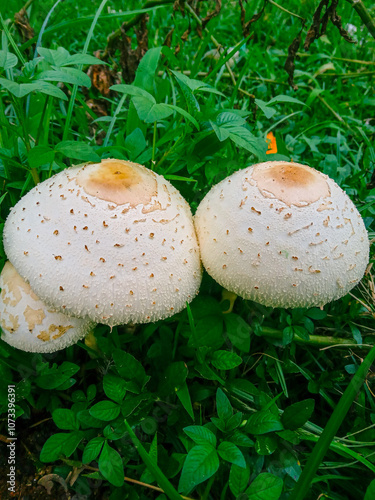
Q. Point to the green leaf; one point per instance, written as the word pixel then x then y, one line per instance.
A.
pixel 285 98
pixel 238 331
pixel 110 465
pixel 316 313
pixel 184 113
pixel 129 368
pixel 185 399
pixel 234 421
pixel 65 419
pixel 77 150
pixel 208 332
pixel 241 440
pixel 55 57
pixel 67 75
pixel 268 111
pixel 135 143
pixel 370 492
pixel 133 91
pixel 105 410
pixel 23 89
pixel 297 414
pixel 262 422
pixel 152 466
pixel 150 112
pixel 200 435
pixel 82 59
pixel 201 463
pixel 265 444
pixel 229 452
pixel 224 408
pixel 245 139
pixel 92 449
pixel 114 387
pixel 56 376
pixel 7 60
pixel 39 155
pixel 145 75
pixel 225 360
pixel 62 443
pixel 238 479
pixel 265 487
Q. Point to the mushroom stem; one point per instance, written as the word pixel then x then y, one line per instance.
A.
pixel 314 340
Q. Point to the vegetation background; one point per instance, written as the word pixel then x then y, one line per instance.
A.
pixel 228 398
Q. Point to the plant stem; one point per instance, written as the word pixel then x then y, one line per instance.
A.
pixel 303 484
pixel 287 11
pixel 364 14
pixel 314 340
pixel 153 147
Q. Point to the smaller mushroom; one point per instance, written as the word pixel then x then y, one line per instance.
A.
pixel 28 324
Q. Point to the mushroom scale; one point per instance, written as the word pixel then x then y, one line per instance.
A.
pixel 282 234
pixel 28 324
pixel 111 240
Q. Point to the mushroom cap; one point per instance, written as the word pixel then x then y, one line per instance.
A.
pixel 112 241
pixel 282 234
pixel 28 324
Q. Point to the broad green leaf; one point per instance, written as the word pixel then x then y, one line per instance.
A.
pixel 241 440
pixel 114 387
pixel 7 60
pixel 185 399
pixel 77 150
pixel 145 75
pixel 265 444
pixel 55 376
pixel 297 414
pixel 231 453
pixel 268 111
pixel 225 360
pixel 229 119
pixel 23 89
pixel 222 133
pixel 174 377
pixel 110 465
pixel 238 331
pixel 201 463
pixel 65 419
pixel 67 75
pixel 184 113
pixel 55 57
pixel 92 449
pixel 133 91
pixel 224 408
pixel 370 492
pixel 62 443
pixel 316 313
pixel 135 143
pixel 131 403
pixel 245 139
pixel 105 410
pixel 39 155
pixel 200 435
pixel 128 367
pixel 238 479
pixel 191 100
pixel 208 332
pixel 82 59
pixel 262 422
pixel 265 487
pixel 150 112
pixel 234 421
pixel 285 98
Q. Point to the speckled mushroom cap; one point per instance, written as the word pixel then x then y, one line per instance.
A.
pixel 112 241
pixel 28 324
pixel 282 234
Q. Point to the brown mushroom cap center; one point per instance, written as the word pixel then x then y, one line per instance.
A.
pixel 119 182
pixel 293 184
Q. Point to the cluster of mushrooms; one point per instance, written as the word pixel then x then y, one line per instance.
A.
pixel 115 243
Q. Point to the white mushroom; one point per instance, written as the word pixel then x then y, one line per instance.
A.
pixel 282 234
pixel 28 324
pixel 112 241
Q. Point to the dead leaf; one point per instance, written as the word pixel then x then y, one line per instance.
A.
pixel 22 22
pixel 129 58
pixel 48 479
pixel 246 25
pixel 289 65
pixel 101 76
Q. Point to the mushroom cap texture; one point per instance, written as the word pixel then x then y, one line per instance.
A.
pixel 282 234
pixel 28 324
pixel 112 241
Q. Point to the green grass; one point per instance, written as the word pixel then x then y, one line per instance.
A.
pixel 292 418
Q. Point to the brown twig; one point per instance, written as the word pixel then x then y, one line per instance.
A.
pixel 140 483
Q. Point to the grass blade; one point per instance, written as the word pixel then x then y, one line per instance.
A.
pixel 168 488
pixel 302 487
